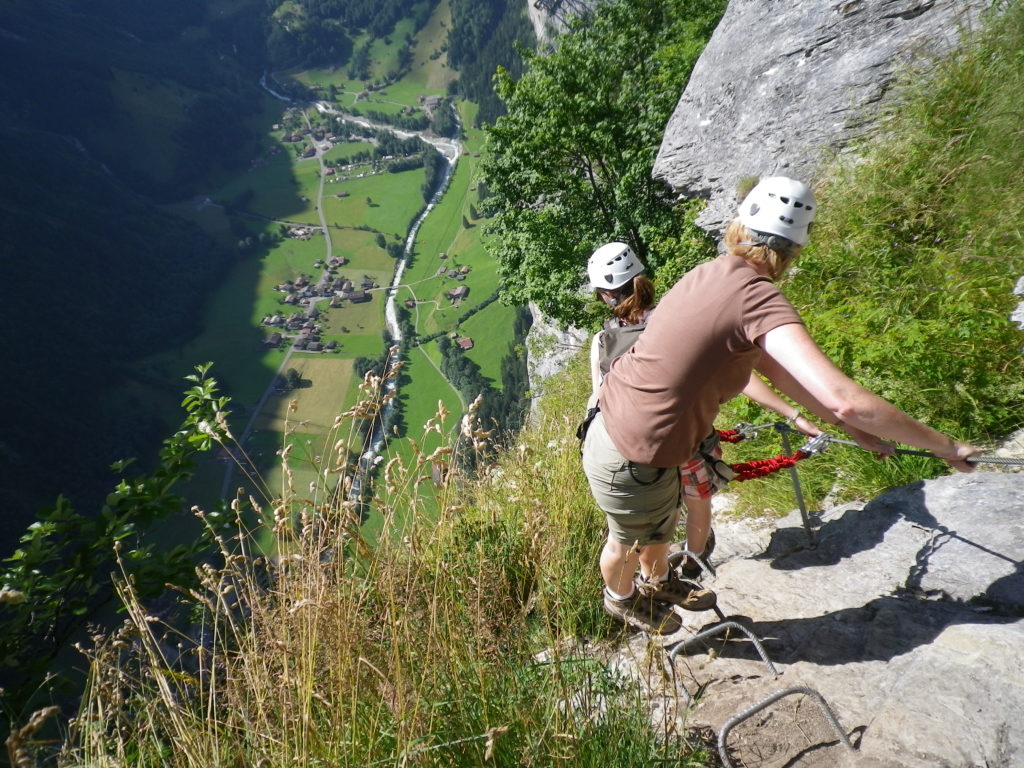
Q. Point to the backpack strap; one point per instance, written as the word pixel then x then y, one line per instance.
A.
pixel 615 342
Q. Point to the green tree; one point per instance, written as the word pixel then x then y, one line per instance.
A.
pixel 59 578
pixel 569 166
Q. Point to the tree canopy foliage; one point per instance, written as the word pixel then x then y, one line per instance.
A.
pixel 486 35
pixel 569 166
pixel 316 32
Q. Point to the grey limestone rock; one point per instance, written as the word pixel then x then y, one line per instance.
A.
pixel 783 86
pixel 907 616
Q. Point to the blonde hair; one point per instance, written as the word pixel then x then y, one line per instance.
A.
pixel 634 304
pixel 740 241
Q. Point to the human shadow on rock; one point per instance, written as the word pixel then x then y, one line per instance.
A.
pixel 859 530
pixel 880 630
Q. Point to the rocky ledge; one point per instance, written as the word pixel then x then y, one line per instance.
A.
pixel 906 616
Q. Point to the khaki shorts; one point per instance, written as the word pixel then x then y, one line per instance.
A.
pixel 641 503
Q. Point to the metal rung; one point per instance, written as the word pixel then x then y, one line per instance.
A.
pixel 717 630
pixel 675 558
pixel 723 752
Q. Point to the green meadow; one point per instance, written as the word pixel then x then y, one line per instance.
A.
pixel 281 189
pixel 381 201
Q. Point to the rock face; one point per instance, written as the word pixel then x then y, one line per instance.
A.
pixel 782 86
pixel 906 617
pixel 551 17
pixel 549 347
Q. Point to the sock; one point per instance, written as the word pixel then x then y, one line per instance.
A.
pixel 616 596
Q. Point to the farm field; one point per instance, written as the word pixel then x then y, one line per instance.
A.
pixel 316 402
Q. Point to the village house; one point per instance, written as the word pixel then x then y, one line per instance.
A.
pixel 273 340
pixel 465 343
pixel 456 294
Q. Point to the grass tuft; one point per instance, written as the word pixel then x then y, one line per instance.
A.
pixel 469 632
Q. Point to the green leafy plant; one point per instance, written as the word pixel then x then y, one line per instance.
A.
pixel 59 577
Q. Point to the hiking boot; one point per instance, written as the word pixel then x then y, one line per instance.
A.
pixel 644 613
pixel 688 595
pixel 690 569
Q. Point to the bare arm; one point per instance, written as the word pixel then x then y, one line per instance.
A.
pixel 765 396
pixel 800 370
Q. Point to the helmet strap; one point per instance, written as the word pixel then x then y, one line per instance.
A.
pixel 767 239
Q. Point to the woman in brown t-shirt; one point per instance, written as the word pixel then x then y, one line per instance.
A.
pixel 720 322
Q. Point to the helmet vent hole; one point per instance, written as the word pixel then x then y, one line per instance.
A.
pixel 785 200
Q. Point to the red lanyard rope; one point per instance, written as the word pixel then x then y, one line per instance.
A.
pixel 748 470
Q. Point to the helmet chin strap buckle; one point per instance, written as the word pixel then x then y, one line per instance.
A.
pixel 775 242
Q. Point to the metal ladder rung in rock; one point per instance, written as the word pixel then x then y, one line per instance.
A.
pixel 723 735
pixel 739 718
pixel 719 629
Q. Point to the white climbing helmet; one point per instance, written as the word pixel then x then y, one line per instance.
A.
pixel 780 206
pixel 612 266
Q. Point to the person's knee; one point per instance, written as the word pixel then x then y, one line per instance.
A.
pixel 616 548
